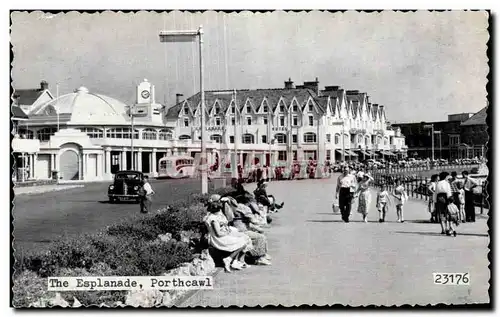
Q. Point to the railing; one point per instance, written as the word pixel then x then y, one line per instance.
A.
pixel 424 169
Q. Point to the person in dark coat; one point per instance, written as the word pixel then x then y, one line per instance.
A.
pixel 262 197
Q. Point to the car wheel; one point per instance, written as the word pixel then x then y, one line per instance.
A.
pixel 112 200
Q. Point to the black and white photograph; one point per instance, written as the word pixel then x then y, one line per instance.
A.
pixel 211 158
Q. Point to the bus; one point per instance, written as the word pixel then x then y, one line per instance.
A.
pixel 176 167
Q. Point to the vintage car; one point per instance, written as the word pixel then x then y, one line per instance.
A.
pixel 125 186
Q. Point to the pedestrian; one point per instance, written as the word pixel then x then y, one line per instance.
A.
pixel 452 217
pixel 382 203
pixel 400 199
pixel 344 193
pixel 441 197
pixel 469 185
pixel 453 185
pixel 431 189
pixel 461 200
pixel 146 195
pixel 363 192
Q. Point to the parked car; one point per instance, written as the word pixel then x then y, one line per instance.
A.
pixel 125 186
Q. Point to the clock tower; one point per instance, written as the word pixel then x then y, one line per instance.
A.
pixel 146 105
pixel 145 92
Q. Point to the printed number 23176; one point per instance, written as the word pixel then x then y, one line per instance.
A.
pixel 451 278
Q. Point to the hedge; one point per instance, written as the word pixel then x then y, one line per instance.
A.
pixel 131 247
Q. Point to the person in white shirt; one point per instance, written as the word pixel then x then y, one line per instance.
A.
pixel 432 188
pixel 441 197
pixel 346 184
pixel 146 199
pixel 469 185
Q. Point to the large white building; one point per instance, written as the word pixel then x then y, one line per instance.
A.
pixel 87 136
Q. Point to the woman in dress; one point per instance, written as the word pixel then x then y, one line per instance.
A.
pixel 244 221
pixel 400 198
pixel 363 192
pixel 225 238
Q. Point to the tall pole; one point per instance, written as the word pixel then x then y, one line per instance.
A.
pixel 204 176
pixel 432 138
pixel 57 108
pixel 235 167
pixel 132 138
pixel 343 145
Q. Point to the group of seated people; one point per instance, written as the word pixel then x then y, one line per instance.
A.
pixel 236 225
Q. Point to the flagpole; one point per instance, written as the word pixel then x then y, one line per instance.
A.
pixel 236 158
pixel 57 103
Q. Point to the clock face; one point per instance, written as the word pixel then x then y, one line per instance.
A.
pixel 145 94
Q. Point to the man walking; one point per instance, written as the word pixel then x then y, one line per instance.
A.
pixel 344 192
pixel 454 188
pixel 147 196
pixel 469 185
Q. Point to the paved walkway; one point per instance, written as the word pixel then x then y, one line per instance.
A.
pixel 318 259
pixel 42 189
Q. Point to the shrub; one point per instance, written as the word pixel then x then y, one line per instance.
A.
pixel 27 288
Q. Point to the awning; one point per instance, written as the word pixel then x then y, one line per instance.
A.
pixel 350 153
pixel 387 153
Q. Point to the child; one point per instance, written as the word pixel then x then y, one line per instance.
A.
pixel 382 202
pixel 400 199
pixel 452 217
pixel 461 199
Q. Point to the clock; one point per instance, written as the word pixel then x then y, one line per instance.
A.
pixel 145 94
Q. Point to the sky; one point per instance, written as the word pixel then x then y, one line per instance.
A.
pixel 421 65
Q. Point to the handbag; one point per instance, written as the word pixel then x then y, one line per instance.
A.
pixel 335 206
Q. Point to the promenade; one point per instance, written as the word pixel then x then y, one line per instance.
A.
pixel 318 259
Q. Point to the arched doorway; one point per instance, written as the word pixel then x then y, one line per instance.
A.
pixel 70 165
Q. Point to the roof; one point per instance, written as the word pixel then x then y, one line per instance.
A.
pixel 478 119
pixel 85 107
pixel 18 113
pixel 254 97
pixel 27 96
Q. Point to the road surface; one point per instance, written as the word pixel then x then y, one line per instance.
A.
pixel 318 259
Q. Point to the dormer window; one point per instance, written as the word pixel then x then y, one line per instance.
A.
pixel 217 110
pixel 232 109
pixel 295 108
pixel 282 108
pixel 186 111
pixel 265 109
pixel 249 109
pixel 310 107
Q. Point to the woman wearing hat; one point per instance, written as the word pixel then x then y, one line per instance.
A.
pixel 364 194
pixel 225 238
pixel 245 222
pixel 267 200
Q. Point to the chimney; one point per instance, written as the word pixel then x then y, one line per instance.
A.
pixel 331 88
pixel 178 98
pixel 313 85
pixel 289 84
pixel 352 92
pixel 44 85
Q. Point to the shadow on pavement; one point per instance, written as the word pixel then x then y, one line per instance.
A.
pixel 131 202
pixel 342 221
pixel 418 221
pixel 439 234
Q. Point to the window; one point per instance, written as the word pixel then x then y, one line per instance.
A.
pixel 391 140
pixel 311 121
pixel 295 108
pixel 149 134
pixel 217 138
pixel 217 109
pixel 280 138
pixel 282 121
pixel 294 138
pixel 295 121
pixel 360 139
pixel 454 139
pixel 233 120
pixel 309 137
pixel 186 122
pixel 232 109
pixel 93 133
pixel 249 120
pixel 310 107
pixel 121 133
pixel 367 140
pixel 165 134
pixel 337 138
pixel 328 138
pixel 281 155
pixel 294 155
pixel 247 138
pixel 265 120
pixel 282 108
pixel 186 111
pixel 265 109
pixel 328 155
pixel 231 139
pixel 184 137
pixel 385 141
pixel 217 121
pixel 249 109
pixel 45 133
pixel 264 138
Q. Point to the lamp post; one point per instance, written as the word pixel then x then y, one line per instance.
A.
pixel 190 36
pixel 430 126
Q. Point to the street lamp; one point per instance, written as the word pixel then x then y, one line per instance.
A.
pixel 430 126
pixel 190 36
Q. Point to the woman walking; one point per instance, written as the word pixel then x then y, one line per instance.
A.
pixel 441 197
pixel 225 238
pixel 364 195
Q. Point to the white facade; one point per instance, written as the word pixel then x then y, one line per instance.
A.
pixel 84 136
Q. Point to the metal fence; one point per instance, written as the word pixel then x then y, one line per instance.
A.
pixel 424 169
pixel 416 187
